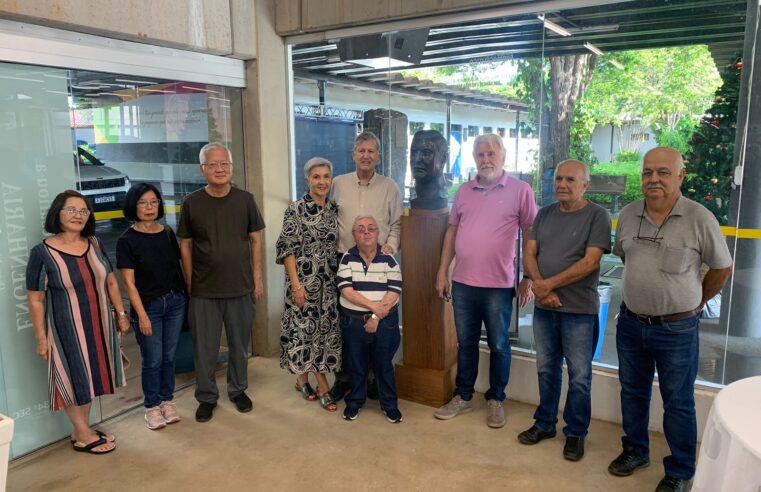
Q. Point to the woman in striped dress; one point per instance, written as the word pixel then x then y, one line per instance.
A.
pixel 69 282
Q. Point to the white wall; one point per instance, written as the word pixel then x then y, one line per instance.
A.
pixel 602 136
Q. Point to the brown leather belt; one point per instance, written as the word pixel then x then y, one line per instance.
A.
pixel 363 316
pixel 659 320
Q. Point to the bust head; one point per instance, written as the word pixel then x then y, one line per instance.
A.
pixel 428 155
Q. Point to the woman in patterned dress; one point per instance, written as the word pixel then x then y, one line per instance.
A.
pixel 310 337
pixel 69 283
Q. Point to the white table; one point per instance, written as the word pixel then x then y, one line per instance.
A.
pixel 730 456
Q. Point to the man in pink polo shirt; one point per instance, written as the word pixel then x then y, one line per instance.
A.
pixel 482 232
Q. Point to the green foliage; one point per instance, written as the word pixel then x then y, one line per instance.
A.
pixel 581 137
pixel 708 166
pixel 628 156
pixel 657 87
pixel 678 138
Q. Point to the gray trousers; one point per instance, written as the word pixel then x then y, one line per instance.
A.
pixel 206 317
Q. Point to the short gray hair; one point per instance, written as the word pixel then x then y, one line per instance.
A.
pixel 363 217
pixel 587 176
pixel 366 136
pixel 213 145
pixel 488 138
pixel 317 162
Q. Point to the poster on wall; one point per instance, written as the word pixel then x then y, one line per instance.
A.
pixel 38 163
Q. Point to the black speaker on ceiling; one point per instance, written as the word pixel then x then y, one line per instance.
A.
pixel 405 46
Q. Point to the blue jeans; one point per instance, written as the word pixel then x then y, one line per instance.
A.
pixel 166 314
pixel 573 337
pixel 672 349
pixel 360 348
pixel 474 306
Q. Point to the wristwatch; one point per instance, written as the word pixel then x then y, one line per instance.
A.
pixel 374 316
pixel 122 313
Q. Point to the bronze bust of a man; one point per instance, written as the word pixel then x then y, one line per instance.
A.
pixel 428 155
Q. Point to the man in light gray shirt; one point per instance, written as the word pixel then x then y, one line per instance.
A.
pixel 663 241
pixel 562 258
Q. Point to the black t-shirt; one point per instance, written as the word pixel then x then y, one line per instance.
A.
pixel 155 258
pixel 219 228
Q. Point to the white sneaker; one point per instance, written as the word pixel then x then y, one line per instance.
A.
pixel 154 419
pixel 495 417
pixel 455 407
pixel 169 412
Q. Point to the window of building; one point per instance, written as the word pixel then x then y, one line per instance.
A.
pixel 98 133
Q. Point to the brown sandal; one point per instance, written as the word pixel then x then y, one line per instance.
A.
pixel 306 391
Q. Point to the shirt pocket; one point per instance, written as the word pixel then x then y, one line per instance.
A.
pixel 675 260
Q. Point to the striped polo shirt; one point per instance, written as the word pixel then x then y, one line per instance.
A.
pixel 372 281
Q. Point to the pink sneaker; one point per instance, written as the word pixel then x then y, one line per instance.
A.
pixel 154 419
pixel 169 412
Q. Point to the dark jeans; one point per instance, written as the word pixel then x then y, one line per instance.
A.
pixel 363 349
pixel 571 337
pixel 157 351
pixel 474 306
pixel 672 349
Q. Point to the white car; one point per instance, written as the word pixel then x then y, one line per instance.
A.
pixel 105 186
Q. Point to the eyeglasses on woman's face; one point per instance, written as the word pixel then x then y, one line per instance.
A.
pixel 145 203
pixel 71 211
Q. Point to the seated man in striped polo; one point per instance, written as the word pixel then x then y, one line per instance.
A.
pixel 370 283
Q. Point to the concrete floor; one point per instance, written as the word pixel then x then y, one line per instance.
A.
pixel 287 443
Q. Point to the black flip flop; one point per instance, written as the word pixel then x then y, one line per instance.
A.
pixel 89 447
pixel 100 434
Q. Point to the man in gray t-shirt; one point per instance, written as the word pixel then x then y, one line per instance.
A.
pixel 562 258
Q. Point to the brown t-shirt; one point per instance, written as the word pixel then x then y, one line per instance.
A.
pixel 219 228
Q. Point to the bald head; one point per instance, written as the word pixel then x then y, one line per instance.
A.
pixel 662 175
pixel 664 155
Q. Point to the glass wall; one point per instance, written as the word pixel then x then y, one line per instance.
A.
pixel 97 133
pixel 600 84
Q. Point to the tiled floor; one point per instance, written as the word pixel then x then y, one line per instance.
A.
pixel 287 443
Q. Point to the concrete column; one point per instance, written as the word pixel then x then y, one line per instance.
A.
pixel 740 307
pixel 267 144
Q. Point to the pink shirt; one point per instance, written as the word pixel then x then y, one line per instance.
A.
pixel 487 228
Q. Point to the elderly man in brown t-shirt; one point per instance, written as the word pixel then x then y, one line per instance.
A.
pixel 221 247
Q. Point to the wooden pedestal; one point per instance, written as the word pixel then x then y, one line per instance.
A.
pixel 429 341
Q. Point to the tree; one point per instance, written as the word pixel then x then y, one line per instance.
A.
pixel 666 89
pixel 553 88
pixel 709 164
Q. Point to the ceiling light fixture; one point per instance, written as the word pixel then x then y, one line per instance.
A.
pixel 548 24
pixel 594 49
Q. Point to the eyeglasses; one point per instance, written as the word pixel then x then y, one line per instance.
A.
pixel 652 239
pixel 76 211
pixel 218 165
pixel 145 203
pixel 362 229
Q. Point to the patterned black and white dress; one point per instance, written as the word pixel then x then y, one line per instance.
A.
pixel 310 338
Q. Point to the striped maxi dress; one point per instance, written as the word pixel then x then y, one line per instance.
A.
pixel 84 356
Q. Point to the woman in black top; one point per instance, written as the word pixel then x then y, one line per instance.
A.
pixel 148 257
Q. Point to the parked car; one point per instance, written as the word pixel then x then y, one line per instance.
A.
pixel 105 186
